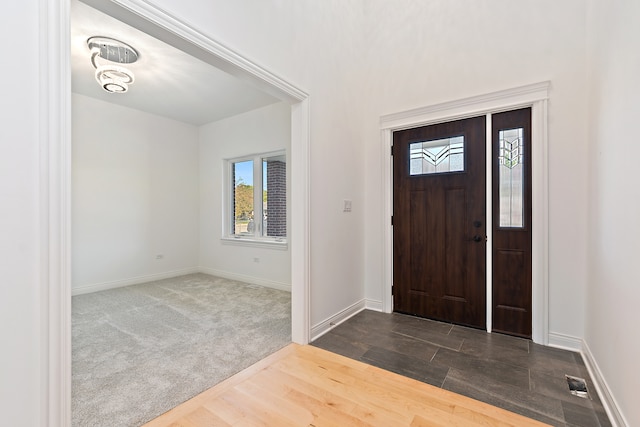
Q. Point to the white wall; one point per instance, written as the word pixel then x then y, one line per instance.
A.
pixel 144 185
pixel 361 60
pixel 423 53
pixel 20 289
pixel 612 315
pixel 412 54
pixel 135 196
pixel 318 47
pixel 259 131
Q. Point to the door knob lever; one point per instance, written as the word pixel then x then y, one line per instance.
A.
pixel 477 238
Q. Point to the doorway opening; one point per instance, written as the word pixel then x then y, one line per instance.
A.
pixel 56 169
pixel 441 221
pixel 534 96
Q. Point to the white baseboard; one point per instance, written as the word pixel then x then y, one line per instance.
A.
pixel 608 401
pixel 565 342
pixel 371 304
pixel 568 342
pixel 247 279
pixel 95 287
pixel 325 326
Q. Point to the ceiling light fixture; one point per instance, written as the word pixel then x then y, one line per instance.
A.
pixel 112 78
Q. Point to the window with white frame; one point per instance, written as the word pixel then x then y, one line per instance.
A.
pixel 257 205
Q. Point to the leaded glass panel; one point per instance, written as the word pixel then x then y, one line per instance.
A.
pixel 511 177
pixel 437 156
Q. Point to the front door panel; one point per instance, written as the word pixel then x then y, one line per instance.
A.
pixel 439 222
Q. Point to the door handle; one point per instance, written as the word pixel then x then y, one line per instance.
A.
pixel 477 238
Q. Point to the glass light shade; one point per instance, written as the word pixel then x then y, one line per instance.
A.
pixel 113 78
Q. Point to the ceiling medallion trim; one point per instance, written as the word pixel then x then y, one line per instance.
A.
pixel 113 50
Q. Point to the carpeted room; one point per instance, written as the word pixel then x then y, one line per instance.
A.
pixel 155 283
pixel 141 350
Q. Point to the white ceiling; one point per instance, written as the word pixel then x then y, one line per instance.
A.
pixel 168 82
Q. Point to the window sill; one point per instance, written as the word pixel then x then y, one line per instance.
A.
pixel 256 243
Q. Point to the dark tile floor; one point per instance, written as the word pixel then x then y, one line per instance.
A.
pixel 508 372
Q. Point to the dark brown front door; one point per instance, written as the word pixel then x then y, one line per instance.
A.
pixel 511 296
pixel 439 227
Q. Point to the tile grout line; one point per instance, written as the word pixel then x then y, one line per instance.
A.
pixel 445 378
pixel 427 341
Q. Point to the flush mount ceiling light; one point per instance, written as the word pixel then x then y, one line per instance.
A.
pixel 112 78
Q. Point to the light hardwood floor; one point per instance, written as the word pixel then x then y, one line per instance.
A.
pixel 308 386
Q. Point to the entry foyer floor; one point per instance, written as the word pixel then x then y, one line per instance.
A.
pixel 508 372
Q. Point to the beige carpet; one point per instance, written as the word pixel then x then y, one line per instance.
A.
pixel 141 350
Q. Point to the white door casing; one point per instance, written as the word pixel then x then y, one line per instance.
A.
pixel 535 96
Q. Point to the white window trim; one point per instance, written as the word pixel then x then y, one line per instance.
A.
pixel 230 238
pixel 255 243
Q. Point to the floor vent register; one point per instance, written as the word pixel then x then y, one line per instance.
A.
pixel 577 386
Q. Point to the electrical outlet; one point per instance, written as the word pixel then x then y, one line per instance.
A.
pixel 346 207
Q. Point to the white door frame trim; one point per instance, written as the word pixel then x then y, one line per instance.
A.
pixel 535 96
pixel 55 177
